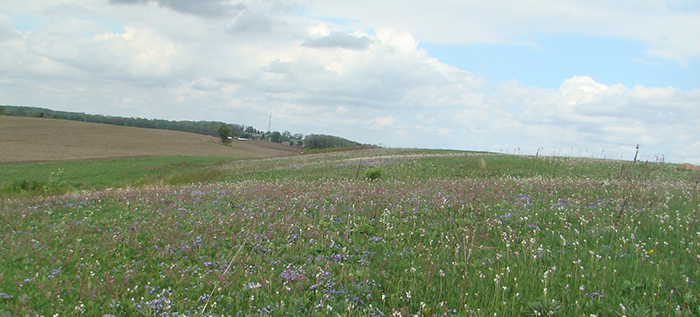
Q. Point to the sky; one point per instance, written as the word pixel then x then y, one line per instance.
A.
pixel 567 78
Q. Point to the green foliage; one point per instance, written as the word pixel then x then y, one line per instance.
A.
pixel 629 286
pixel 276 137
pixel 691 302
pixel 543 307
pixel 26 185
pixel 56 184
pixel 631 309
pixel 308 151
pixel 31 186
pixel 37 178
pixel 212 128
pixel 225 132
pixel 200 127
pixel 373 173
pixel 439 235
pixel 322 141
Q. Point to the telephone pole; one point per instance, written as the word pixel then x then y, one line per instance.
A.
pixel 269 122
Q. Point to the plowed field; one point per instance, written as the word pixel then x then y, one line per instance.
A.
pixel 41 139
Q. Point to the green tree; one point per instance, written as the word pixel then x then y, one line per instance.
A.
pixel 276 137
pixel 321 141
pixel 225 132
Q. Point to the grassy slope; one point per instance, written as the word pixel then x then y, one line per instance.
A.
pixel 88 155
pixel 442 232
pixel 99 174
pixel 43 139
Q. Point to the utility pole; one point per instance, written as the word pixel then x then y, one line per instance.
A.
pixel 269 122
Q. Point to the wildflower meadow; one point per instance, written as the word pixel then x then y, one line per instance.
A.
pixel 423 233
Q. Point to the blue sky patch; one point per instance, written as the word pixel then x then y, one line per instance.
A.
pixel 25 23
pixel 552 58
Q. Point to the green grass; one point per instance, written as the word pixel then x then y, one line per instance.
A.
pixel 429 164
pixel 100 174
pixel 439 233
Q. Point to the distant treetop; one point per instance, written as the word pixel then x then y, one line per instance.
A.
pixel 200 127
pixel 322 141
pixel 213 128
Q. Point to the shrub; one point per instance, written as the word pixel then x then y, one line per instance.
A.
pixel 27 185
pixel 54 186
pixel 373 173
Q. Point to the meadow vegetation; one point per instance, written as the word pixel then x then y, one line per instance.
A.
pixel 52 178
pixel 435 233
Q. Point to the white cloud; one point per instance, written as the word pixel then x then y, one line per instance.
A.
pixel 383 121
pixel 7 32
pixel 207 84
pixel 366 80
pixel 137 54
pixel 252 21
pixel 670 33
pixel 199 7
pixel 318 30
pixel 339 40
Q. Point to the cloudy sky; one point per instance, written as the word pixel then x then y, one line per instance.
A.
pixel 566 77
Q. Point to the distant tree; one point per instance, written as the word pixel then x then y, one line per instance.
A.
pixel 237 129
pixel 276 137
pixel 287 134
pixel 201 127
pixel 298 136
pixel 225 132
pixel 321 141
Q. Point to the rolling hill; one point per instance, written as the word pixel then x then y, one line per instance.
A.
pixel 24 139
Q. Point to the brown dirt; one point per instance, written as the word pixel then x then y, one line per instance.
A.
pixel 41 139
pixel 689 167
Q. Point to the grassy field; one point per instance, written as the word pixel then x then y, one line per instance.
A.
pixel 438 233
pixel 31 179
pixel 43 139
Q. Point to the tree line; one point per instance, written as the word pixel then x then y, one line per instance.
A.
pixel 200 127
pixel 213 128
pixel 322 141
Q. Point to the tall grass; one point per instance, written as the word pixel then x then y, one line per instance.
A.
pixel 437 234
pixel 31 179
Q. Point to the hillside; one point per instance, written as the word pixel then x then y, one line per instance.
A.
pixel 24 139
pixel 437 233
pixel 199 127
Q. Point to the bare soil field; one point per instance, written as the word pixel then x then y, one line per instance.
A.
pixel 42 139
